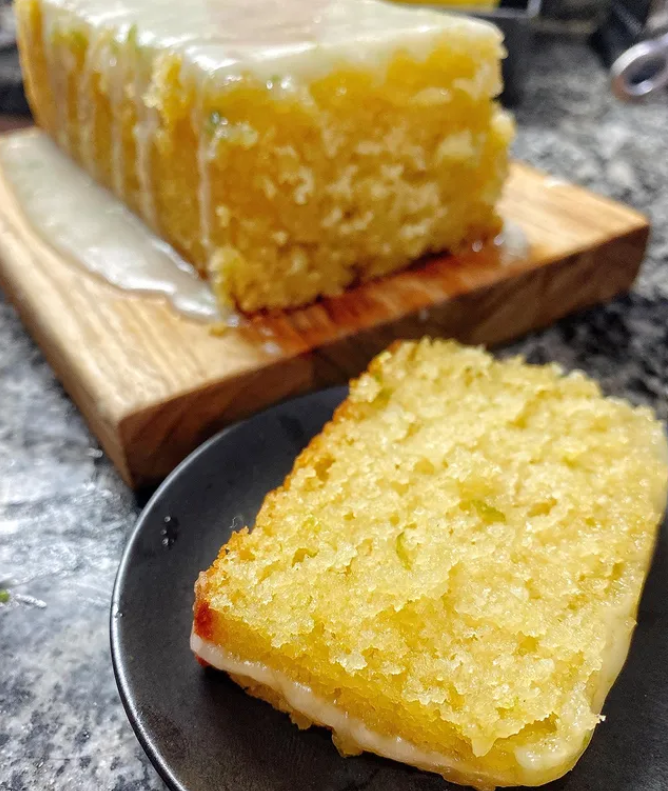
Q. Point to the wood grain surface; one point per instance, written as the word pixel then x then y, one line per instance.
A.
pixel 153 385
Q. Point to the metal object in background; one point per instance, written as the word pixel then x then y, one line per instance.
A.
pixel 643 68
pixel 633 44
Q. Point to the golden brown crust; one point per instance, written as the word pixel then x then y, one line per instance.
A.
pixel 203 617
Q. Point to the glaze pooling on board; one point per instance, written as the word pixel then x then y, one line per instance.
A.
pixel 512 243
pixel 93 228
pixel 96 230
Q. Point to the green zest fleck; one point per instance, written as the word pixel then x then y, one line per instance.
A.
pixel 487 512
pixel 403 551
pixel 78 39
pixel 4 596
pixel 275 80
pixel 382 399
pixel 310 523
pixel 133 37
pixel 384 393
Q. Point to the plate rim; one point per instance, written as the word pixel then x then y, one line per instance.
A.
pixel 119 668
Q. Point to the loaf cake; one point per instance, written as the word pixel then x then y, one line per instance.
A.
pixel 286 150
pixel 450 575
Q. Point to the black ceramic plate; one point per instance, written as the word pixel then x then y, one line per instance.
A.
pixel 203 733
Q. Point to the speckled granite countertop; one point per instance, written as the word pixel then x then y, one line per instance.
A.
pixel 65 514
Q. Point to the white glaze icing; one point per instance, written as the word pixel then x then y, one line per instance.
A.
pixel 303 700
pixel 94 229
pixel 305 36
pixel 144 131
pixel 203 172
pixel 56 75
pixel 86 112
pixel 117 82
pixel 535 761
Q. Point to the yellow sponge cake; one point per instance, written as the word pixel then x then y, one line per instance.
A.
pixel 450 575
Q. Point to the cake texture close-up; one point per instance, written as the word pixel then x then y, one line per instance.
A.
pixel 450 575
pixel 286 150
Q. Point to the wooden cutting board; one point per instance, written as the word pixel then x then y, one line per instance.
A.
pixel 153 385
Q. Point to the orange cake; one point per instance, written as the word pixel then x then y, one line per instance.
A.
pixel 286 149
pixel 450 575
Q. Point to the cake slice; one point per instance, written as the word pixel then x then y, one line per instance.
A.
pixel 450 575
pixel 286 149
